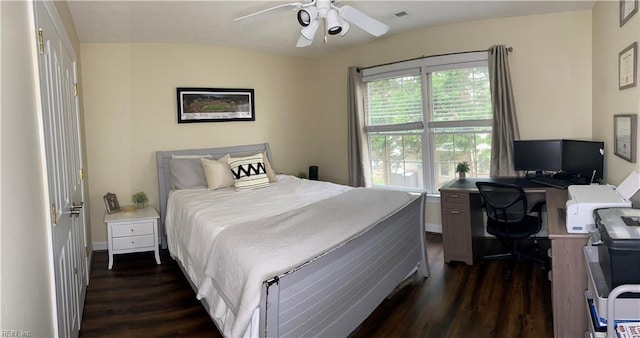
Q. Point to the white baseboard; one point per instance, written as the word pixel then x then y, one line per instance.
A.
pixel 433 228
pixel 98 246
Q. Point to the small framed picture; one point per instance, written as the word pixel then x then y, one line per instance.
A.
pixel 627 67
pixel 111 201
pixel 627 9
pixel 624 136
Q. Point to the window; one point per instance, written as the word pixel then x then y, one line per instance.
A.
pixel 421 121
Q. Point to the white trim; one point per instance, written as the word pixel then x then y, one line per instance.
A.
pixel 451 59
pixel 457 65
pixel 461 123
pixel 394 127
pixel 428 169
pixel 381 73
pixel 437 228
pixel 99 246
pixel 89 265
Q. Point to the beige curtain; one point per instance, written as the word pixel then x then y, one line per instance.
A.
pixel 359 169
pixel 505 121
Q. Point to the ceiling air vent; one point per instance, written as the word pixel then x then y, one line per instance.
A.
pixel 400 14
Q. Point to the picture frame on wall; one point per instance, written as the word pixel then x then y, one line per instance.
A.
pixel 625 136
pixel 111 202
pixel 627 67
pixel 627 9
pixel 215 105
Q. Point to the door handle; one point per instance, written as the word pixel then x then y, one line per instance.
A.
pixel 75 208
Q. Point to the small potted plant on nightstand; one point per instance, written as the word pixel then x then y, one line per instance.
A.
pixel 140 199
pixel 462 169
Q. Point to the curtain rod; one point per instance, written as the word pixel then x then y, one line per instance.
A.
pixel 509 49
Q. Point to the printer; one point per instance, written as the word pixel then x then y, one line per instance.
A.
pixel 618 242
pixel 584 199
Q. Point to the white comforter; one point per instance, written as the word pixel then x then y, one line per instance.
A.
pixel 229 241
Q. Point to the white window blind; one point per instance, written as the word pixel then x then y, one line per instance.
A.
pixel 395 101
pixel 461 95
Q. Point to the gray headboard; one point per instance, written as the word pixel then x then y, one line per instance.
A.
pixel 164 175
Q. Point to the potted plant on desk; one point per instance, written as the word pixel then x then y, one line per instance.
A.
pixel 462 168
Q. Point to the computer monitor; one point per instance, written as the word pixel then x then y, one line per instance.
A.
pixel 583 159
pixel 537 155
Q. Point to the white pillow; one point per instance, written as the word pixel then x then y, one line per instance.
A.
pixel 249 172
pixel 271 174
pixel 217 172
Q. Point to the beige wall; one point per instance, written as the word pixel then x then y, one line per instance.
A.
pixel 609 39
pixel 550 69
pixel 130 97
pixel 130 110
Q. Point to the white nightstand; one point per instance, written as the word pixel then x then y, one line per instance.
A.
pixel 133 232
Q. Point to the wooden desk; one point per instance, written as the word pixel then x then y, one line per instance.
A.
pixel 463 228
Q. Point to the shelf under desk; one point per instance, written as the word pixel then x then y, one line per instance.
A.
pixel 463 229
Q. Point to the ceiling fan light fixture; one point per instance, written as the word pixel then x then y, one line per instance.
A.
pixel 307 15
pixel 334 24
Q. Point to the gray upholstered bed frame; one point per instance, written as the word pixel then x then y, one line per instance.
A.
pixel 332 294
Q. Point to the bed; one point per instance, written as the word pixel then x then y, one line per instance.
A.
pixel 296 258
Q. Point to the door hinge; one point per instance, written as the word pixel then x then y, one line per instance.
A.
pixel 75 89
pixel 54 214
pixel 41 40
pixel 81 174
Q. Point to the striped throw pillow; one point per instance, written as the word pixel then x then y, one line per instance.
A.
pixel 249 172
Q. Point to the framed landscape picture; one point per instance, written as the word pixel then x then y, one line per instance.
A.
pixel 215 105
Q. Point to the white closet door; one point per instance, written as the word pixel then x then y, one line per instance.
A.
pixel 62 141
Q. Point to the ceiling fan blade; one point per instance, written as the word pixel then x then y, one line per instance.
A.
pixel 367 23
pixel 303 42
pixel 295 5
pixel 345 28
pixel 310 31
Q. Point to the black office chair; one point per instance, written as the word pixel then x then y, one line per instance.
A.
pixel 510 220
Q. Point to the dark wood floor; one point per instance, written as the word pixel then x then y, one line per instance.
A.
pixel 141 299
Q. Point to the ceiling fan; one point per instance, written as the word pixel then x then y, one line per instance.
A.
pixel 335 19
